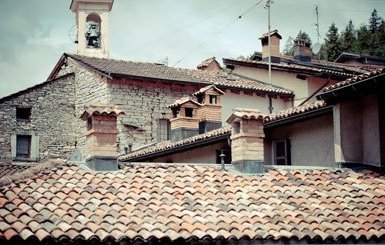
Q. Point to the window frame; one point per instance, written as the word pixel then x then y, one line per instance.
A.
pixel 189 111
pixel 29 142
pixel 213 98
pixel 160 135
pixel 287 148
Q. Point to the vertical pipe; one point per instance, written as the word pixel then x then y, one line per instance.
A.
pixel 268 37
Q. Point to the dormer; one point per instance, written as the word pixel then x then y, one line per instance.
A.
pixel 210 113
pixel 185 121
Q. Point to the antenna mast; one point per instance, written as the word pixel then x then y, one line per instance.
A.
pixel 318 35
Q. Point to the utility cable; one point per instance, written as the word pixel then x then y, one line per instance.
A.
pixel 234 21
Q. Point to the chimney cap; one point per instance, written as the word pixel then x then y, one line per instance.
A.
pixel 100 109
pixel 204 89
pixel 301 42
pixel 183 101
pixel 246 113
pixel 272 33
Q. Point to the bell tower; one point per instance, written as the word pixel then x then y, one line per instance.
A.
pixel 92 18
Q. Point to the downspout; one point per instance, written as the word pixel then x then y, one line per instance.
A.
pixel 270 105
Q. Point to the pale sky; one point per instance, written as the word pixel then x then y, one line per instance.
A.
pixel 35 33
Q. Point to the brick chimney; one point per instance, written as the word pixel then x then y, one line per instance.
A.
pixel 275 40
pixel 185 121
pixel 210 64
pixel 247 149
pixel 210 113
pixel 101 137
pixel 302 51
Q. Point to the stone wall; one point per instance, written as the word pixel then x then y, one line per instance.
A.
pixel 144 103
pixel 51 122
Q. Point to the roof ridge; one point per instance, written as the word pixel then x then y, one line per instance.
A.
pixel 31 172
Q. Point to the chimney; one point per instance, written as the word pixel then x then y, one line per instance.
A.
pixel 210 113
pixel 274 42
pixel 302 51
pixel 247 149
pixel 185 121
pixel 101 137
pixel 210 64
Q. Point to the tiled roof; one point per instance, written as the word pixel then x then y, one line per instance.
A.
pixel 226 80
pixel 169 145
pixel 182 101
pixel 113 68
pixel 355 79
pixel 246 113
pixel 100 110
pixel 10 169
pixel 206 63
pixel 303 67
pixel 191 202
pixel 297 110
pixel 204 89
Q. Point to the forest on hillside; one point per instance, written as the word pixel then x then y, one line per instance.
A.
pixel 368 39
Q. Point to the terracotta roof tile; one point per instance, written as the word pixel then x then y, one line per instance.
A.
pixel 355 79
pixel 11 169
pixel 169 145
pixel 294 111
pixel 116 68
pixel 152 201
pixel 206 63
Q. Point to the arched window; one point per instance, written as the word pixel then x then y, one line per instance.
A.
pixel 93 22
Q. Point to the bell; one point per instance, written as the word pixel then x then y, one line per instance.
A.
pixel 93 31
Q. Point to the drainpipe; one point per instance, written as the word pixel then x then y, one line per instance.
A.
pixel 270 105
pixel 222 156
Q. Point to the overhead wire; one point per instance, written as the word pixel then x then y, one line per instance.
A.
pixel 232 22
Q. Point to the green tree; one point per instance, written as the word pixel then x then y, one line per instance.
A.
pixel 348 38
pixel 362 44
pixel 305 36
pixel 332 43
pixel 288 49
pixel 374 21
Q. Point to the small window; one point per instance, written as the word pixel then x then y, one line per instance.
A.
pixel 188 112
pixel 163 130
pixel 201 99
pixel 23 146
pixel 89 123
pixel 213 99
pixel 281 152
pixel 23 113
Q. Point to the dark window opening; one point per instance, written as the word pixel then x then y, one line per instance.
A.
pixel 189 112
pixel 89 123
pixel 23 146
pixel 213 99
pixel 300 76
pixel 163 130
pixel 226 152
pixel 174 113
pixel 200 99
pixel 282 152
pixel 23 113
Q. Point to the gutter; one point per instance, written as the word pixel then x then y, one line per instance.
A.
pixel 176 149
pixel 298 117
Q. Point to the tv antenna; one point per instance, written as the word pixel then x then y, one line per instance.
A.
pixel 267 6
pixel 317 46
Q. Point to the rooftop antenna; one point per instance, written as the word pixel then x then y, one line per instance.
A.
pixel 317 45
pixel 267 5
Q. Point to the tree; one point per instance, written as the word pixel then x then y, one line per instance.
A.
pixel 332 43
pixel 362 43
pixel 288 49
pixel 305 36
pixel 374 21
pixel 348 38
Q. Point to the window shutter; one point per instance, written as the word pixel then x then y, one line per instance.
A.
pixel 13 146
pixel 35 154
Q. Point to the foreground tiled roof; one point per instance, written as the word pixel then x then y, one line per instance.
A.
pixel 294 111
pixel 355 79
pixel 187 203
pixel 169 145
pixel 116 68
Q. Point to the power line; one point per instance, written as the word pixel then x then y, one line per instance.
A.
pixel 218 32
pixel 185 27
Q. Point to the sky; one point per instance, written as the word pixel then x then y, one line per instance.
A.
pixel 35 33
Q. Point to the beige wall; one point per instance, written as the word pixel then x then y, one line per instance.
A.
pixel 311 141
pixel 206 154
pixel 356 131
pixel 232 100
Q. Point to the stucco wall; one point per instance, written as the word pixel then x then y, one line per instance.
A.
pixel 206 154
pixel 356 131
pixel 280 78
pixel 232 100
pixel 311 141
pixel 52 119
